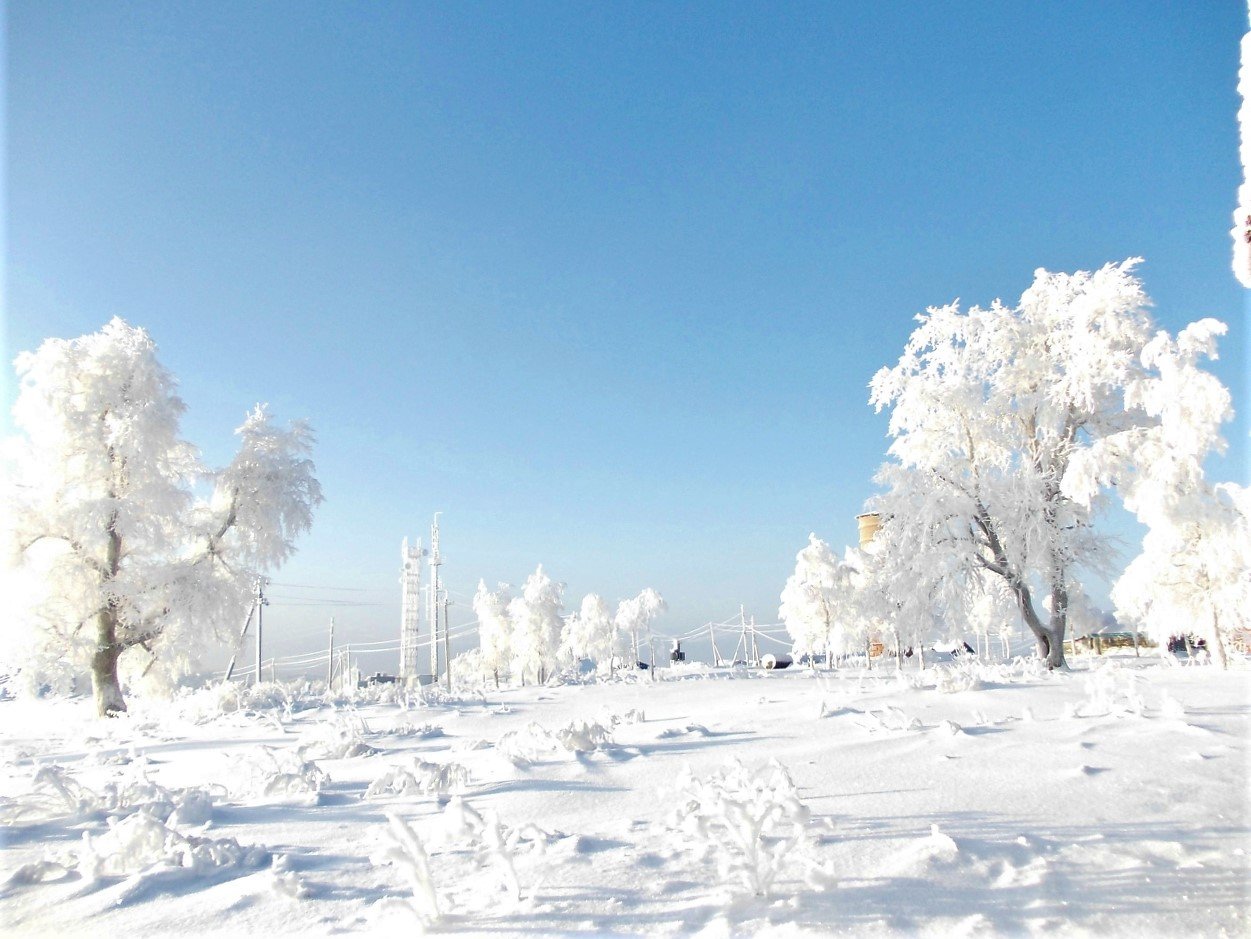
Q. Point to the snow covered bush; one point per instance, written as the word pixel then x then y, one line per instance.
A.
pixel 532 744
pixel 437 779
pixel 751 822
pixel 339 739
pixel 282 774
pixel 135 577
pixel 55 794
pixel 1110 691
pixel 494 845
pixel 139 843
pixel 535 744
pixel 408 855
pixel 889 718
pixel 406 728
pixel 584 736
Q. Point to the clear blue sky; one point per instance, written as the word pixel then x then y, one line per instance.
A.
pixel 605 283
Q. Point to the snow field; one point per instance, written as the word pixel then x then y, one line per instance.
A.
pixel 965 800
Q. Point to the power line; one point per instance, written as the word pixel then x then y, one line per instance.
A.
pixel 281 583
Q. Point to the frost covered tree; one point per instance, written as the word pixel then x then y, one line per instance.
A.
pixel 818 602
pixel 633 618
pixel 918 579
pixel 494 629
pixel 127 572
pixel 589 632
pixel 989 407
pixel 1194 572
pixel 536 623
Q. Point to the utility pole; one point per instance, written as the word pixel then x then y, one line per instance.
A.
pixel 436 560
pixel 330 658
pixel 230 669
pixel 260 603
pixel 712 638
pixel 447 642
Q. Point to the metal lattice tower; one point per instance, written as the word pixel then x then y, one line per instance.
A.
pixel 410 610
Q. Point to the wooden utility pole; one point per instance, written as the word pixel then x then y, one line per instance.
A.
pixel 330 658
pixel 447 642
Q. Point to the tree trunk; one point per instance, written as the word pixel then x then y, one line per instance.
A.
pixel 1050 641
pixel 1218 643
pixel 104 683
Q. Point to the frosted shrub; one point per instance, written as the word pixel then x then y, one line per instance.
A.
pixel 408 855
pixel 889 719
pixel 957 677
pixel 406 728
pixel 632 716
pixel 286 882
pixel 534 744
pixel 437 779
pixel 493 844
pixel 283 774
pixel 55 794
pixel 531 744
pixel 339 739
pixel 139 842
pixel 1110 692
pixel 750 821
pixel 584 737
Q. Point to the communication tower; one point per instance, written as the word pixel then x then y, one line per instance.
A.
pixel 410 609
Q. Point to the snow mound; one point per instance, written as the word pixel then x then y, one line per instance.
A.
pixel 688 729
pixel 923 856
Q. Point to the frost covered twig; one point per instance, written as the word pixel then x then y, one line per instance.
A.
pixel 753 822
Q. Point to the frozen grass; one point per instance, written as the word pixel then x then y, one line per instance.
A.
pixel 970 798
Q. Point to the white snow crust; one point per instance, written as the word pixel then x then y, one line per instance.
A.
pixel 966 799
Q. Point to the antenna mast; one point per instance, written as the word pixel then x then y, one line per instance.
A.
pixel 410 611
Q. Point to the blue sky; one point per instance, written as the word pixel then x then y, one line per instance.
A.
pixel 605 283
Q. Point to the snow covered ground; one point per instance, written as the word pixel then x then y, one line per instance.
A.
pixel 965 800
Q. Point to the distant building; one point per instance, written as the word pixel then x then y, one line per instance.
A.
pixel 868 523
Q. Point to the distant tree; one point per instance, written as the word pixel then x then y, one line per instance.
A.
pixel 633 619
pixel 988 410
pixel 536 625
pixel 1194 572
pixel 125 566
pixel 589 632
pixel 494 630
pixel 817 602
